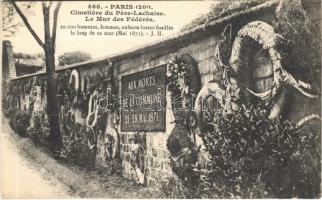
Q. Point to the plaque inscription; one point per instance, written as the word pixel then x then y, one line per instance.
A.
pixel 143 100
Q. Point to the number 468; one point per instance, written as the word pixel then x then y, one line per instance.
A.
pixel 94 6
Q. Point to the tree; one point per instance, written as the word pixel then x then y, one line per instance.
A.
pixel 9 20
pixel 20 55
pixel 49 46
pixel 73 57
pixel 9 25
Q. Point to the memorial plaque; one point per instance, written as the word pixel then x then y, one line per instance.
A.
pixel 144 101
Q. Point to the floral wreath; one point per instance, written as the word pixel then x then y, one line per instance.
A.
pixel 183 78
pixel 178 77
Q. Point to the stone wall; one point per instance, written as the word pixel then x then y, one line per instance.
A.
pixel 157 162
pixel 201 46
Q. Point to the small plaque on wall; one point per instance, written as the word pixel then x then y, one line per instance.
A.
pixel 143 100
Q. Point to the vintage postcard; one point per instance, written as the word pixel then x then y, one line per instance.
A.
pixel 161 99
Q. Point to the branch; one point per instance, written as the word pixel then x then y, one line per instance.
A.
pixel 10 31
pixel 50 3
pixel 24 19
pixel 5 28
pixel 56 11
pixel 45 10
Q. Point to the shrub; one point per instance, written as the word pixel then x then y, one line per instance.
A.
pixel 174 188
pixel 254 157
pixel 76 151
pixel 7 111
pixel 300 48
pixel 251 156
pixel 113 167
pixel 38 130
pixel 81 155
pixel 19 122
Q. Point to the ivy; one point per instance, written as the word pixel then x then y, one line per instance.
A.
pixel 251 156
pixel 38 130
pixel 19 121
pixel 183 81
pixel 302 39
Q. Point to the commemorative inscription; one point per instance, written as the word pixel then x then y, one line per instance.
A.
pixel 143 100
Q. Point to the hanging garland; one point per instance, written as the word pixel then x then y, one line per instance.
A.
pixel 183 79
pixel 221 92
pixel 85 96
pixel 74 85
pixel 101 89
pixel 64 91
pixel 265 35
pixel 210 95
pixel 93 107
pixel 184 83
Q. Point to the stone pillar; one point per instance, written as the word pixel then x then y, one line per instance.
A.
pixel 8 65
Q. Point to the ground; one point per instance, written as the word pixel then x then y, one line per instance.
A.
pixel 21 176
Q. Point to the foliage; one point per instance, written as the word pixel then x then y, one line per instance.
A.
pixel 19 122
pixel 114 166
pixel 73 57
pixel 220 10
pixel 178 77
pixel 76 151
pixel 7 106
pixel 48 46
pixel 302 39
pixel 174 189
pixel 253 157
pixel 77 154
pixel 10 24
pixel 183 81
pixel 182 75
pixel 39 128
pixel 19 55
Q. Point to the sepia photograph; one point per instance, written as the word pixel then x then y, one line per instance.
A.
pixel 182 99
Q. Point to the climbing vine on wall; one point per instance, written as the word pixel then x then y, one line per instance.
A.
pixel 252 156
pixel 242 163
pixel 93 95
pixel 184 83
pixel 38 130
pixel 24 98
pixel 302 39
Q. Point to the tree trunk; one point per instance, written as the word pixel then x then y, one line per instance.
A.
pixel 55 139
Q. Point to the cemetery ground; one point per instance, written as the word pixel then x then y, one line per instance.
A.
pixel 29 172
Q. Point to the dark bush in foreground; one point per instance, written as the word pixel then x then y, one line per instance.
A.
pixel 253 157
pixel 19 122
pixel 76 150
pixel 38 131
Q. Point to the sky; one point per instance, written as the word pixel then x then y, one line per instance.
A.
pixel 177 14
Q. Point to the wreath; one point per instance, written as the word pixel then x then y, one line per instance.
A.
pixel 183 79
pixel 184 82
pixel 264 34
pixel 101 84
pixel 74 82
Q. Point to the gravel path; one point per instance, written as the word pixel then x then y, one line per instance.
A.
pixel 20 177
